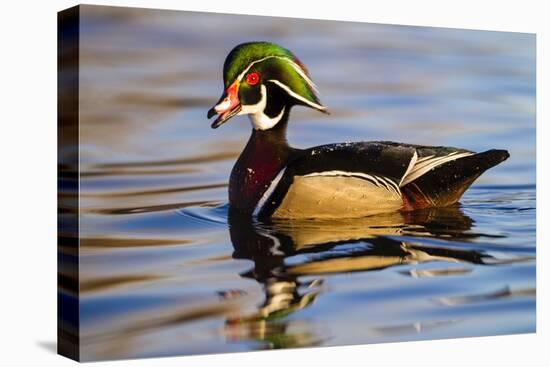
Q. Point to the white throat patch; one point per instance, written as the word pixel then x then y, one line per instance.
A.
pixel 259 120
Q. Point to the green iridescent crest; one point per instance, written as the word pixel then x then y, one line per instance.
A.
pixel 274 64
pixel 244 54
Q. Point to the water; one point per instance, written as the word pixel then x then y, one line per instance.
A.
pixel 165 269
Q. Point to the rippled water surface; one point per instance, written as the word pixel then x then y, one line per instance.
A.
pixel 165 269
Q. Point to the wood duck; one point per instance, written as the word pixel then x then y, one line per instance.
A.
pixel 273 180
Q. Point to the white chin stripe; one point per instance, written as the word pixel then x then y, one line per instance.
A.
pixel 259 120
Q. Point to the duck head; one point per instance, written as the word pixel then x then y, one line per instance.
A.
pixel 263 80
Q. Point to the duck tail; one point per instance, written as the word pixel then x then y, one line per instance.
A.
pixel 445 184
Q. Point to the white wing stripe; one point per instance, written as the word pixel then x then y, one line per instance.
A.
pixel 412 163
pixel 424 165
pixel 392 184
pixel 424 158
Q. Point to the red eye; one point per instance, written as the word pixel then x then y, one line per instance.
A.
pixel 252 78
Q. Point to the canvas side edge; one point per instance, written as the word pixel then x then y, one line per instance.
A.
pixel 68 303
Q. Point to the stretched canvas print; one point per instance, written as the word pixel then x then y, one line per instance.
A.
pixel 236 183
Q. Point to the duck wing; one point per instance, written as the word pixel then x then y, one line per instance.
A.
pixel 364 178
pixel 443 183
pixel 439 175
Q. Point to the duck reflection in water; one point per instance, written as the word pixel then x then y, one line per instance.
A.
pixel 330 247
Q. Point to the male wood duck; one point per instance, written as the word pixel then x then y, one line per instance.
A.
pixel 273 180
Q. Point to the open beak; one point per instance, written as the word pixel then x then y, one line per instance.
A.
pixel 227 107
